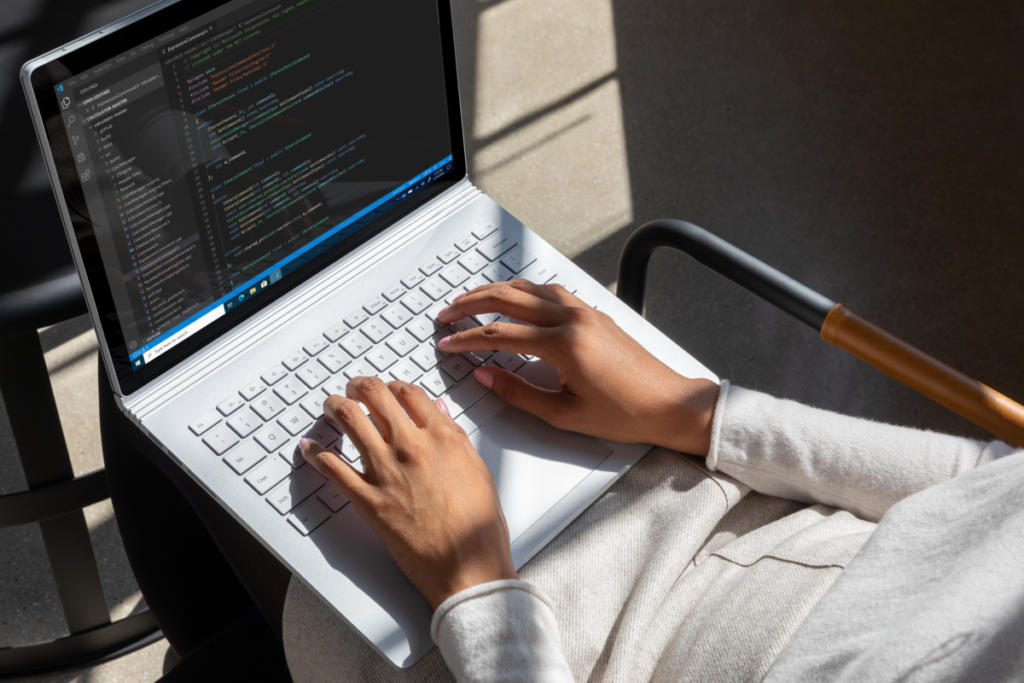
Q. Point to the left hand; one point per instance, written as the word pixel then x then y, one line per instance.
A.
pixel 426 492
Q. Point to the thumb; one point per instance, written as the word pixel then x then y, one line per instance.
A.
pixel 516 391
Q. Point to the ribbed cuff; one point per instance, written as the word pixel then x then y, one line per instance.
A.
pixel 716 426
pixel 482 590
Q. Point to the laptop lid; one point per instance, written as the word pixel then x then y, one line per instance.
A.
pixel 208 161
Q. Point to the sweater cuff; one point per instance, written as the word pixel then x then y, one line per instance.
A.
pixel 502 631
pixel 716 426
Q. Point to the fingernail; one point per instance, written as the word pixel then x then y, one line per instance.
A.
pixel 303 443
pixel 443 406
pixel 440 316
pixel 459 297
pixel 443 342
pixel 485 377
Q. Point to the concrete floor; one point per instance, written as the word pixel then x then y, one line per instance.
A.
pixel 871 150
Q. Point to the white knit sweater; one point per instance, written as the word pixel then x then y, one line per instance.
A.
pixel 936 592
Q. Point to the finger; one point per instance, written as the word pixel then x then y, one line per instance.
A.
pixel 533 341
pixel 374 394
pixel 518 299
pixel 526 285
pixel 351 419
pixel 327 463
pixel 414 400
pixel 514 390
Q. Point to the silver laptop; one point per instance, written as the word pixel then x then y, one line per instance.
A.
pixel 265 199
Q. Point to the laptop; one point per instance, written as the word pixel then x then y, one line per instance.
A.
pixel 265 199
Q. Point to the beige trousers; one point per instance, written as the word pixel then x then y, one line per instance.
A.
pixel 676 573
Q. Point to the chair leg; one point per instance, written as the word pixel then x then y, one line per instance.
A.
pixel 28 395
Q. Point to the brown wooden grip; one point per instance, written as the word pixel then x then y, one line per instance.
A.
pixel 983 406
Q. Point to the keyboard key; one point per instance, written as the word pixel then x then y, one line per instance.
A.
pixel 315 346
pixel 518 259
pixel 397 316
pixel 484 230
pixel 295 420
pixel 480 412
pixel 427 357
pixel 406 371
pixel 473 262
pixel 203 424
pixel 436 339
pixel 458 367
pixel 220 439
pixel 314 405
pixel 230 405
pixel 356 319
pixel 421 328
pixel 449 255
pixel 474 282
pixel 334 360
pixel 336 332
pixel 292 455
pixel 455 275
pixel 308 516
pixel 356 345
pixel 430 267
pixel 413 279
pixel 435 288
pixel 245 423
pixel 375 331
pixel 382 358
pixel 477 357
pixel 402 343
pixel 268 475
pixel 313 375
pixel 268 407
pixel 252 390
pixel 322 433
pixel 463 325
pixel 460 398
pixel 437 382
pixel 298 487
pixel 416 302
pixel 539 273
pixel 360 369
pixel 508 361
pixel 375 305
pixel 467 242
pixel 495 245
pixel 274 375
pixel 486 318
pixel 346 449
pixel 290 390
pixel 295 360
pixel 335 386
pixel 272 438
pixel 332 497
pixel 245 457
pixel 435 311
pixel 394 293
pixel 497 273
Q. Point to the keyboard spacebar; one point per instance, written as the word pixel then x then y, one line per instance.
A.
pixel 480 412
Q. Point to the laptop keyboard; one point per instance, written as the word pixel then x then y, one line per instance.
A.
pixel 393 336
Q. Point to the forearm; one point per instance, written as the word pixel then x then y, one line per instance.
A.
pixel 502 632
pixel 786 449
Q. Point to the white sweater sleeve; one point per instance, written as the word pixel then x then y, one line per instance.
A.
pixel 500 632
pixel 785 449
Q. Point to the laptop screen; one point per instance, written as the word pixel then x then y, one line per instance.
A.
pixel 219 160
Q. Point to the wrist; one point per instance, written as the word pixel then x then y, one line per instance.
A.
pixel 690 412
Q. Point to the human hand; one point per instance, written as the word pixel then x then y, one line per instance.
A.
pixel 611 386
pixel 425 492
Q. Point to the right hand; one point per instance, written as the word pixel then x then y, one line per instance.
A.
pixel 611 386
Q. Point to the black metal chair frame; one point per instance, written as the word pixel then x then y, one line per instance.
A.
pixel 55 497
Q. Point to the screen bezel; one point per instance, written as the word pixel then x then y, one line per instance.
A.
pixel 47 72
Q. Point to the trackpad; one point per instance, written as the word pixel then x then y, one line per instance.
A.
pixel 533 463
